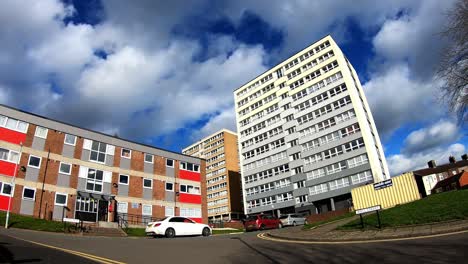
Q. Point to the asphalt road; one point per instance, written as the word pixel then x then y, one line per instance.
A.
pixel 18 251
pixel 244 248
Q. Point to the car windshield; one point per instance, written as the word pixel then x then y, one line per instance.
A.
pixel 284 217
pixel 251 218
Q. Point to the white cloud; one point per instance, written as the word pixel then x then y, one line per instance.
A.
pixel 440 133
pixel 396 99
pixel 150 84
pixel 226 119
pixel 401 163
pixel 412 38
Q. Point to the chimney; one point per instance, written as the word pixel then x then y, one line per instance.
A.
pixel 452 159
pixel 464 156
pixel 432 164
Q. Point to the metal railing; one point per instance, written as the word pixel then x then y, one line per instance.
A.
pixel 124 220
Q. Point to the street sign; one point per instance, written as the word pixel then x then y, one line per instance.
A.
pixel 368 209
pixel 375 208
pixel 383 184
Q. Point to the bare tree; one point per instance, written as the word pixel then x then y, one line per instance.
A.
pixel 453 68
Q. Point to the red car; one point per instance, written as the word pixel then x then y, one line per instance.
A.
pixel 260 222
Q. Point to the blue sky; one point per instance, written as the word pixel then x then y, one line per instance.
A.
pixel 163 73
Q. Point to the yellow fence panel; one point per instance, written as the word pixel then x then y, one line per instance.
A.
pixel 403 190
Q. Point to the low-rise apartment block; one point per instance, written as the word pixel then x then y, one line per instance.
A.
pixel 78 173
pixel 223 181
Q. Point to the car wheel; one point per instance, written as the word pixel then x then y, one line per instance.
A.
pixel 170 233
pixel 294 223
pixel 206 232
pixel 262 227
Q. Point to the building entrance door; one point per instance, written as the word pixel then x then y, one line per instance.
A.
pixel 103 210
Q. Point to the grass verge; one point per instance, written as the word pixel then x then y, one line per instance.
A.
pixel 28 222
pixel 132 231
pixel 220 232
pixel 434 208
pixel 309 226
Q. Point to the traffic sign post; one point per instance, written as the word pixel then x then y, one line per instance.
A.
pixel 368 210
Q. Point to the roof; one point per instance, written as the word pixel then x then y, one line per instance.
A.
pixel 441 168
pixel 283 61
pixel 25 114
pixel 454 178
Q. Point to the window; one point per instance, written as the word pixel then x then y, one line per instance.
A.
pixel 147 209
pixel 170 163
pixel 94 180
pixel 169 186
pixel 41 132
pixel 61 199
pixel 34 161
pixel 6 189
pixel 9 155
pixel 70 139
pixel 123 179
pixel 189 167
pixel 126 153
pixel 122 207
pixel 189 189
pixel 320 188
pixel 340 183
pixel 301 199
pixel 29 193
pixel 65 168
pixel 147 183
pixel 98 152
pixel 13 124
pixel 149 158
pixel 169 211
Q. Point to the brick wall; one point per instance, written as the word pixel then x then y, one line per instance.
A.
pixel 327 215
pixel 135 187
pixel 117 156
pixel 159 165
pixel 54 141
pixel 159 190
pixel 30 135
pixel 137 160
pixel 23 162
pixel 78 148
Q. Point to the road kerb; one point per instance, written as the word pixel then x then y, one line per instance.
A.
pixel 266 236
pixel 77 253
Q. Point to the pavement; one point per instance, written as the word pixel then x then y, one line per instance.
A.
pixel 328 232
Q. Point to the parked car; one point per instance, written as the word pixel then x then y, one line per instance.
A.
pixel 260 222
pixel 292 220
pixel 177 226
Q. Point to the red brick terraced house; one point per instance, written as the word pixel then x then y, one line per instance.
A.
pixel 78 173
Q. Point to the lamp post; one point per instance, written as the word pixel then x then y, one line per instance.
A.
pixel 12 191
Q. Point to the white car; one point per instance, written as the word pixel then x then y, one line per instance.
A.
pixel 177 226
pixel 292 220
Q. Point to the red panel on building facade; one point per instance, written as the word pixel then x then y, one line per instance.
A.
pixel 190 198
pixel 12 136
pixel 189 175
pixel 7 168
pixel 4 200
